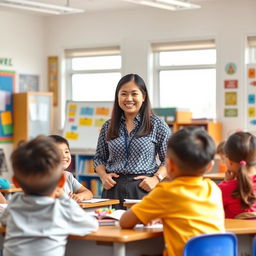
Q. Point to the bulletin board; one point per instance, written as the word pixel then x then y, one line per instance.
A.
pixel 7 87
pixel 83 122
pixel 251 97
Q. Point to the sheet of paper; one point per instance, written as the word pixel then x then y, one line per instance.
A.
pixel 132 201
pixel 149 226
pixel 2 100
pixel 95 200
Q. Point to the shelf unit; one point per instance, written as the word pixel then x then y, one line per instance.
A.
pixel 214 129
pixel 82 168
pixel 32 115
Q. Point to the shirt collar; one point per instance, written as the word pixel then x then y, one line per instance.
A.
pixel 136 120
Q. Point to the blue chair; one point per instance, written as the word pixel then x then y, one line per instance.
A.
pixel 254 246
pixel 218 244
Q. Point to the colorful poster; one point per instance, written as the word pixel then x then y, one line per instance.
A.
pixel 251 112
pixel 251 99
pixel 230 98
pixel 230 112
pixel 85 121
pixel 230 68
pixel 251 73
pixel 230 84
pixel 53 85
pixel 7 87
pixel 102 111
pixel 28 83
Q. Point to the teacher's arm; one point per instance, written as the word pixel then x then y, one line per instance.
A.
pixel 163 135
pixel 106 178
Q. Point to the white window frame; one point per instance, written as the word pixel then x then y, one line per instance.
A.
pixel 174 46
pixel 87 52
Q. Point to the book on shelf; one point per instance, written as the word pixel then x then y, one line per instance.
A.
pixel 86 166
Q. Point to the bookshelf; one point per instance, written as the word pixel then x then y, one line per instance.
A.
pixel 82 168
pixel 32 115
pixel 214 129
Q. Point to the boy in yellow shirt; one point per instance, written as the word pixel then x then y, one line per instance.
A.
pixel 188 204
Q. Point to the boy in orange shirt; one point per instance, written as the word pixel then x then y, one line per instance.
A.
pixel 188 204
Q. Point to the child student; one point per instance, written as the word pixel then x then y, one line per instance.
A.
pixel 188 204
pixel 239 187
pixel 37 222
pixel 222 157
pixel 72 187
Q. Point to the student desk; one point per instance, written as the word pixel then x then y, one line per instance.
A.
pixel 217 177
pixel 114 241
pixel 92 206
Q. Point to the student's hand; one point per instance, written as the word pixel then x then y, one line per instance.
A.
pixel 229 175
pixel 148 183
pixel 77 197
pixel 107 181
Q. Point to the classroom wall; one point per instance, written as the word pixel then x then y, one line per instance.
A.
pixel 28 39
pixel 228 22
pixel 22 38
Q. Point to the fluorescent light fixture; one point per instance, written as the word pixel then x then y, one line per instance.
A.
pixel 39 7
pixel 172 5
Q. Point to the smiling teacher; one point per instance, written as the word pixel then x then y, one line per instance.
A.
pixel 130 143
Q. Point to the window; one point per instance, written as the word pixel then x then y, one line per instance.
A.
pixel 185 75
pixel 251 53
pixel 92 74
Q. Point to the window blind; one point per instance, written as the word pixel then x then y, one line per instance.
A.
pixel 89 52
pixel 183 45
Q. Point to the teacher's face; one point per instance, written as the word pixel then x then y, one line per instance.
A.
pixel 130 98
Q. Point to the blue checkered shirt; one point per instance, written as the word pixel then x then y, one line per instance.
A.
pixel 127 154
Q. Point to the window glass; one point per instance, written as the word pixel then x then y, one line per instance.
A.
pixel 187 57
pixel 189 89
pixel 94 87
pixel 98 62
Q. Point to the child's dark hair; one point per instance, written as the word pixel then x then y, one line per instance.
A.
pixel 221 148
pixel 241 148
pixel 193 149
pixel 59 139
pixel 35 165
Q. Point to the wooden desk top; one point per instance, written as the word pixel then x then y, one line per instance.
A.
pixel 215 176
pixel 116 234
pixel 99 204
pixel 11 190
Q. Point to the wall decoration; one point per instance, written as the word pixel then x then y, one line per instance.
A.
pixel 53 78
pixel 251 73
pixel 230 84
pixel 230 68
pixel 230 112
pixel 251 112
pixel 230 98
pixel 28 83
pixel 7 87
pixel 251 98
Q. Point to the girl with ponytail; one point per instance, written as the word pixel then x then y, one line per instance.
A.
pixel 239 187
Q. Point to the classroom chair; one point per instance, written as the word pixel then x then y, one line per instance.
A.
pixel 254 246
pixel 218 244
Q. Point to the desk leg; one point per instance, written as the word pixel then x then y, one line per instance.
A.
pixel 118 249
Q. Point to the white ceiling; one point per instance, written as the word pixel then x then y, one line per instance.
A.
pixel 100 5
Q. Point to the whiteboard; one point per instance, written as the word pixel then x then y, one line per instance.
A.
pixel 83 121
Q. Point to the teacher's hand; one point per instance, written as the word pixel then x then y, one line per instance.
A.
pixel 148 183
pixel 107 181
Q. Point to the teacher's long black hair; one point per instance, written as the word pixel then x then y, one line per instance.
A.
pixel 117 112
